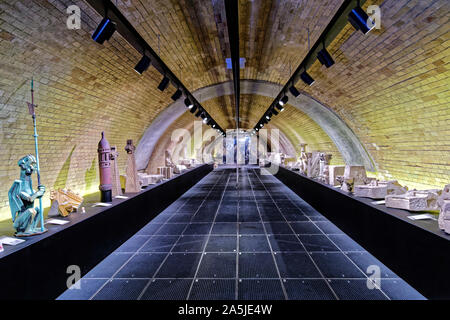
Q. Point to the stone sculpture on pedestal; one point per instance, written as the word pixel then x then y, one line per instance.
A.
pixel 132 184
pixel 334 172
pixel 353 176
pixel 414 200
pixel 148 179
pixel 21 200
pixel 104 163
pixel 313 166
pixel 64 202
pixel 379 189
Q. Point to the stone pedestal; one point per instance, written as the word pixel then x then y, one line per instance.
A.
pixel 414 200
pixel 444 206
pixel 148 179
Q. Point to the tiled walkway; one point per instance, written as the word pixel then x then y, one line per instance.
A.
pixel 260 241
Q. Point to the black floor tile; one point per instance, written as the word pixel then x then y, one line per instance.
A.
pixel 328 227
pixel 249 218
pixel 336 265
pixel 222 289
pixel 317 243
pixel 197 229
pixel 226 217
pixel 296 265
pixel 260 290
pixel 305 228
pixel 355 290
pixel 159 244
pixel 256 265
pixel 397 289
pixel 171 229
pixel 364 260
pixel 253 243
pixel 133 244
pixel 87 287
pixel 285 243
pixel 142 265
pixel 167 289
pixel 190 243
pixel 221 244
pixel 251 228
pixel 224 228
pixel 181 217
pixel 278 228
pixel 345 243
pixel 218 265
pixel 179 265
pixel 149 229
pixel 304 289
pixel 109 265
pixel 119 289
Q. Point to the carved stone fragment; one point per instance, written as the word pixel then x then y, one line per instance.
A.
pixel 379 189
pixel 414 200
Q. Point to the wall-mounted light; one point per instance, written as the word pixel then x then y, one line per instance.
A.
pixel 283 100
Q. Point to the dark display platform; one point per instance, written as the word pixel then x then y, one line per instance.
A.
pixel 37 268
pixel 415 250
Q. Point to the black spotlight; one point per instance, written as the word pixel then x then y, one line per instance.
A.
pixel 306 78
pixel 274 111
pixel 283 100
pixel 325 58
pixel 192 110
pixel 280 107
pixel 199 112
pixel 359 20
pixel 163 84
pixel 188 103
pixel 142 65
pixel 293 90
pixel 104 31
pixel 177 95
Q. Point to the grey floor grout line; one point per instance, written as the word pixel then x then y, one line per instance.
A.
pixel 176 242
pixel 208 237
pixel 267 239
pixel 341 251
pixel 309 255
pixel 236 287
pixel 150 238
pixel 234 278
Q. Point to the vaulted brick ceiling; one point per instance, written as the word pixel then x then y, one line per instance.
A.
pixel 389 86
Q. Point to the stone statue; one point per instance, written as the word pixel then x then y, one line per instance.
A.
pixel 104 164
pixel 116 186
pixel 21 200
pixel 64 202
pixel 313 165
pixel 379 189
pixel 444 209
pixel 132 184
pixel 324 163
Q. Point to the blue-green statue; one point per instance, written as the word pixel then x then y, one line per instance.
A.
pixel 21 200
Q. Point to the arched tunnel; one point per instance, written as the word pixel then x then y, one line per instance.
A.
pixel 366 89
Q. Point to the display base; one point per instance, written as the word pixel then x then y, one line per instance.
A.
pixel 417 251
